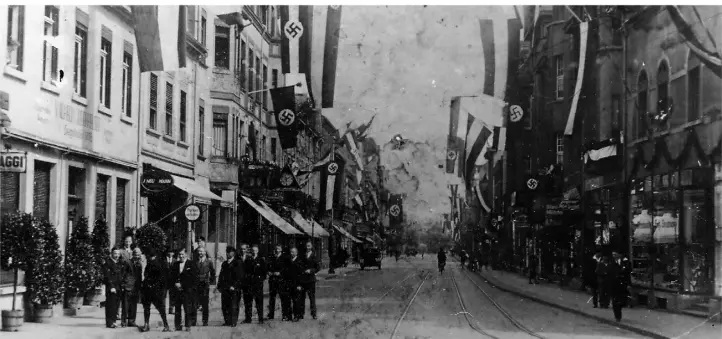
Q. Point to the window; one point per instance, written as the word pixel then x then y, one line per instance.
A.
pixel 127 89
pixel 168 109
pixel 559 60
pixel 204 24
pixel 273 150
pixel 263 148
pixel 220 135
pixel 273 21
pixel 41 190
pixel 80 68
pixel 191 18
pixel 242 69
pixel 641 121
pixel 560 148
pixel 120 208
pixel 183 116
pixel 105 66
pixel 16 36
pixel 274 78
pixel 50 52
pixel 101 197
pixel 264 14
pixel 222 47
pixel 265 86
pixel 201 127
pixel 251 70
pixel 694 88
pixel 258 79
pixel 153 116
pixel 10 203
pixel 663 101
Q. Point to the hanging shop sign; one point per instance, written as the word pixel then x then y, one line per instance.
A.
pixel 13 161
pixel 192 212
pixel 156 181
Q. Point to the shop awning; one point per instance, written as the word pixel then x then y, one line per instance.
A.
pixel 272 217
pixel 308 225
pixel 195 189
pixel 346 234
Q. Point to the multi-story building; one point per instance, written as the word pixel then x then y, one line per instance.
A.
pixel 73 80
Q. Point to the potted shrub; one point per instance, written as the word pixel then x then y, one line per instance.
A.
pixel 80 264
pixel 45 271
pixel 101 248
pixel 151 236
pixel 16 238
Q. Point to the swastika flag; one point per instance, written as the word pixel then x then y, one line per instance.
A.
pixel 284 107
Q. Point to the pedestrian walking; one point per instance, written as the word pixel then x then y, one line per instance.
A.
pixel 153 287
pixel 206 278
pixel 228 284
pixel 463 256
pixel 591 279
pixel 276 285
pixel 307 282
pixel 255 275
pixel 171 291
pixel 533 279
pixel 131 290
pixel 296 267
pixel 185 279
pixel 114 270
pixel 618 281
pixel 603 280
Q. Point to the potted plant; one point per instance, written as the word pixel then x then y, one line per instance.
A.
pixel 45 271
pixel 101 248
pixel 80 266
pixel 16 235
pixel 151 236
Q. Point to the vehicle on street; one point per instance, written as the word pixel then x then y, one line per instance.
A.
pixel 371 258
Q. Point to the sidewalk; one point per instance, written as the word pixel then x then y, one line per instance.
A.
pixel 655 324
pixel 91 325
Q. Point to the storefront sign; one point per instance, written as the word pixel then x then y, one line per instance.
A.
pixel 13 161
pixel 192 212
pixel 156 181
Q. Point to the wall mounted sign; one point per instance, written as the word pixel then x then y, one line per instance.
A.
pixel 156 181
pixel 192 212
pixel 13 161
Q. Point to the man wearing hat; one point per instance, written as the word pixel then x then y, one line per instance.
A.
pixel 229 285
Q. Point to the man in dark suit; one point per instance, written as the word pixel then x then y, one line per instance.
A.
pixel 114 270
pixel 206 278
pixel 131 290
pixel 277 266
pixel 255 274
pixel 307 281
pixel 153 289
pixel 295 267
pixel 185 280
pixel 171 291
pixel 228 284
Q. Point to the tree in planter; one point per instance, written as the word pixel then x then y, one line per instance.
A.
pixel 101 248
pixel 16 243
pixel 151 236
pixel 80 266
pixel 45 266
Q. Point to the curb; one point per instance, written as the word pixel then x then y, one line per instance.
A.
pixel 494 283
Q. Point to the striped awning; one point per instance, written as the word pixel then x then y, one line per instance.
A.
pixel 346 234
pixel 310 227
pixel 272 217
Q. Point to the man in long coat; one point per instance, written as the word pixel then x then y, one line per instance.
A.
pixel 153 287
pixel 229 286
pixel 114 270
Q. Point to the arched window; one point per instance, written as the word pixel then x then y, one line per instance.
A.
pixel 640 127
pixel 663 99
pixel 694 88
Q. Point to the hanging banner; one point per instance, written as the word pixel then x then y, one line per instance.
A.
pixel 583 35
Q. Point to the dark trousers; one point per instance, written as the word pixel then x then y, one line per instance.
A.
pixel 171 294
pixel 604 293
pixel 112 301
pixel 203 298
pixel 619 299
pixel 532 274
pixel 186 301
pixel 229 306
pixel 310 290
pixel 274 289
pixel 156 299
pixel 253 293
pixel 130 306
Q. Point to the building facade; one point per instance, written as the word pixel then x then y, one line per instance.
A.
pixel 73 82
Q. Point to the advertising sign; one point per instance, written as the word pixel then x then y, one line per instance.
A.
pixel 13 161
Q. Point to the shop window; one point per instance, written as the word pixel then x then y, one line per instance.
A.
pixel 121 203
pixel 101 197
pixel 41 190
pixel 698 250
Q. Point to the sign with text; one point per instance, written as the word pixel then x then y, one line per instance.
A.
pixel 156 181
pixel 192 212
pixel 13 161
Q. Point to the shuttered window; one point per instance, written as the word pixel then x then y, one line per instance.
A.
pixel 41 190
pixel 153 116
pixel 10 192
pixel 101 197
pixel 120 204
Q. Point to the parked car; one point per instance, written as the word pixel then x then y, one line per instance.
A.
pixel 370 258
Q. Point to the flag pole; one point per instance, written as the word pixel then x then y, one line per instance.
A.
pixel 268 89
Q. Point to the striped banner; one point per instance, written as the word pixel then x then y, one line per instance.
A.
pixel 476 138
pixel 584 34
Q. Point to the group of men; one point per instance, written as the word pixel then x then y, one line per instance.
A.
pixel 610 281
pixel 134 274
